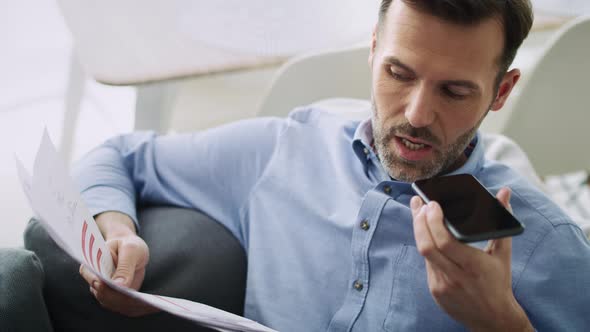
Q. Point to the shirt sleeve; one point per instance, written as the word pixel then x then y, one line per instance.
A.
pixel 555 283
pixel 213 171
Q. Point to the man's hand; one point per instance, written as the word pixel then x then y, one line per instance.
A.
pixel 130 254
pixel 471 285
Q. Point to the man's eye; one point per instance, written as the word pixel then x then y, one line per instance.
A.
pixel 456 93
pixel 399 76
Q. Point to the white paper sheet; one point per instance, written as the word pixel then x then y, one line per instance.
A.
pixel 60 209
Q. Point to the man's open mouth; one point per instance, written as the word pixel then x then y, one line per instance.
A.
pixel 412 149
pixel 412 146
pixel 413 143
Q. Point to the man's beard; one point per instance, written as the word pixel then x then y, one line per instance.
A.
pixel 409 171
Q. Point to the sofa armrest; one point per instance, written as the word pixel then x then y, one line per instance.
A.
pixel 191 257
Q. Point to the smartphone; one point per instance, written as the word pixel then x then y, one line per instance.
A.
pixel 471 212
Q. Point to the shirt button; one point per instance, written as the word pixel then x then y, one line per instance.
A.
pixel 387 190
pixel 365 225
pixel 358 285
pixel 366 151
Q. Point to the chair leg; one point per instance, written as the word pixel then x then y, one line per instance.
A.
pixel 153 106
pixel 73 102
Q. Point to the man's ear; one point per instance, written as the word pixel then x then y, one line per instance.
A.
pixel 506 85
pixel 373 46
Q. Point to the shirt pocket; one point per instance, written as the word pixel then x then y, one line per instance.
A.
pixel 411 306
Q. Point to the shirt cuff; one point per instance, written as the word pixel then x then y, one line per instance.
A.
pixel 101 199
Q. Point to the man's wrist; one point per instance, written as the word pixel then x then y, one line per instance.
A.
pixel 515 319
pixel 521 324
pixel 115 224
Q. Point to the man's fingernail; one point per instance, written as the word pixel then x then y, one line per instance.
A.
pixel 95 284
pixel 119 280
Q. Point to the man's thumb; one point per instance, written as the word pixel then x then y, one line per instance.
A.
pixel 125 268
pixel 502 246
pixel 504 197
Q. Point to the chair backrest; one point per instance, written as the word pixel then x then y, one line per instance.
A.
pixel 550 117
pixel 309 78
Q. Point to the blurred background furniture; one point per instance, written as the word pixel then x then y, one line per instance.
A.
pixel 550 112
pixel 312 77
pixel 154 44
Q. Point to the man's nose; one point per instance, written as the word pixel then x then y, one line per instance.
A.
pixel 420 108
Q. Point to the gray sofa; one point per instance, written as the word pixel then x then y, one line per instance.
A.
pixel 191 257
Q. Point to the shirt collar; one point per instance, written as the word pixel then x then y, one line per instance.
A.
pixel 363 140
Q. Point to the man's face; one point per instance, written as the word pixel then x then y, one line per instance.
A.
pixel 433 83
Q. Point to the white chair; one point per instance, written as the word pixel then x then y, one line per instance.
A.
pixel 312 77
pixel 550 117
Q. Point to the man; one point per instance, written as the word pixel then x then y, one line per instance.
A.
pixel 324 208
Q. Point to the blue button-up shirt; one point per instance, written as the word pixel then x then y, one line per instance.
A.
pixel 327 232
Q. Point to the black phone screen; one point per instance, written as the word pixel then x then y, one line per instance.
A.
pixel 471 212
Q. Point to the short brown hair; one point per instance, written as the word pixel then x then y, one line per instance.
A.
pixel 516 16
